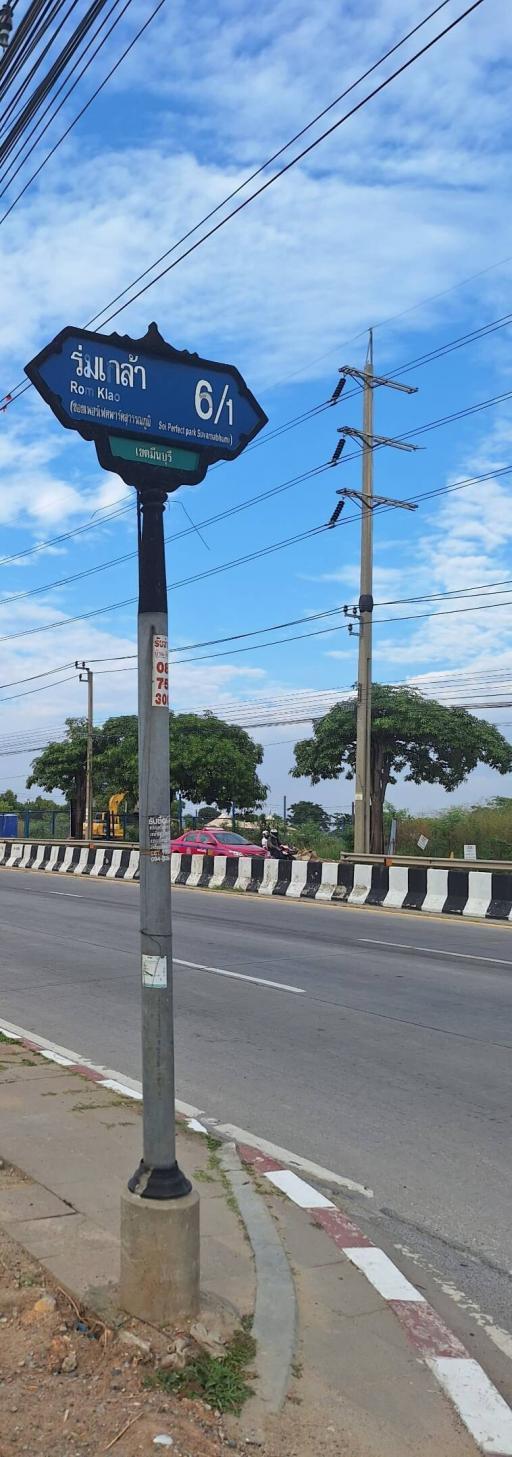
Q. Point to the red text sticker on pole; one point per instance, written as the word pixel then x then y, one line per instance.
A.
pixel 160 674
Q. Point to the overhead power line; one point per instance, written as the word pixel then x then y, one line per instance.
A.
pixel 287 166
pixel 298 158
pixel 241 560
pixel 268 163
pixel 431 356
pixel 87 104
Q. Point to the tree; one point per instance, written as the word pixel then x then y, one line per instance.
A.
pixel 215 762
pixel 9 803
pixel 306 812
pixel 115 761
pixel 62 766
pixel 210 760
pixel 434 744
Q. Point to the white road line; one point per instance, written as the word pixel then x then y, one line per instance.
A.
pixel 434 951
pixel 301 1193
pixel 383 1274
pixel 69 894
pixel 259 981
pixel 480 1405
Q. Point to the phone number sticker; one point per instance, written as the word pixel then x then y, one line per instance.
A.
pixel 160 674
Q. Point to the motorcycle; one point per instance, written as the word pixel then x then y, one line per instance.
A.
pixel 279 851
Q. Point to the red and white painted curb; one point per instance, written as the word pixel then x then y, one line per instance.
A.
pixel 481 1407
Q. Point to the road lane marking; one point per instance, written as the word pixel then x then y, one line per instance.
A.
pixel 70 894
pixel 434 951
pixel 279 986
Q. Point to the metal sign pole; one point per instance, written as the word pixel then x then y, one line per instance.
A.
pixel 158 1176
pixel 159 417
pixel 159 1209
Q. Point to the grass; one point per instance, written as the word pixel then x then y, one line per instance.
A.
pixel 219 1380
pixel 10 1040
pixel 214 1163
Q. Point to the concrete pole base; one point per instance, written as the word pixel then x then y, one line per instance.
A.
pixel 160 1258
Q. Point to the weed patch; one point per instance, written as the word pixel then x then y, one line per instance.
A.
pixel 219 1380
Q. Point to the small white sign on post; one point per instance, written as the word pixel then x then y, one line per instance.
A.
pixel 422 842
pixel 159 834
pixel 154 971
pixel 160 673
pixel 470 852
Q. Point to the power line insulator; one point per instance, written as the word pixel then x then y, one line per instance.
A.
pixel 336 514
pixel 339 387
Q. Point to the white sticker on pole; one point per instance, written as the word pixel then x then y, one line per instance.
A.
pixel 159 834
pixel 154 971
pixel 160 674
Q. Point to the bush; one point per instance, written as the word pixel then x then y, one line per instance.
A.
pixel 488 826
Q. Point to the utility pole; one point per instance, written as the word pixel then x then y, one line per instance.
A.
pixel 367 501
pixel 364 672
pixel 86 676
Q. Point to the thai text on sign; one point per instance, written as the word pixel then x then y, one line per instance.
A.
pixel 160 675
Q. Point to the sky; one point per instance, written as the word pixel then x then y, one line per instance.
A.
pixel 400 220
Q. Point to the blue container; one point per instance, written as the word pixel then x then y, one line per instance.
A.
pixel 9 825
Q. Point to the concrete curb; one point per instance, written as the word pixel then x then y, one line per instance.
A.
pixel 479 1404
pixel 275 1315
pixel 477 894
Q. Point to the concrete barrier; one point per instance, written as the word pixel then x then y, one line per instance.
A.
pixel 480 892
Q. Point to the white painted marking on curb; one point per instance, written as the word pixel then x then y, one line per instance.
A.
pixel 434 951
pixel 302 1194
pixel 284 1156
pixel 13 1036
pixel 382 1273
pixel 279 986
pixel 195 1126
pixel 480 1405
pixel 57 1057
pixel 122 1088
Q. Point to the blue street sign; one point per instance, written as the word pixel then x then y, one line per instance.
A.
pixel 109 387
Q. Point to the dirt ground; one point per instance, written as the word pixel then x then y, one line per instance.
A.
pixel 74 1388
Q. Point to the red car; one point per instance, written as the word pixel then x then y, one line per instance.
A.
pixel 216 842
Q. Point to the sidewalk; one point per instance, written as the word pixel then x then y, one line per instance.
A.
pixel 333 1371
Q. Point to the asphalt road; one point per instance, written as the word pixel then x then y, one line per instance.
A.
pixel 382 1051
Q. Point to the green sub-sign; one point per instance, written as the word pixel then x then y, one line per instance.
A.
pixel 150 454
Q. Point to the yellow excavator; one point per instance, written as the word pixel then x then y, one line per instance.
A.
pixel 110 824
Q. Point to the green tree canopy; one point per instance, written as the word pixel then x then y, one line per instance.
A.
pixel 431 743
pixel 214 761
pixel 210 760
pixel 9 802
pixel 61 765
pixel 306 812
